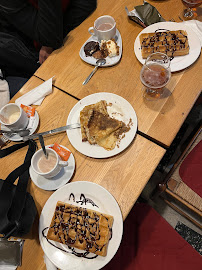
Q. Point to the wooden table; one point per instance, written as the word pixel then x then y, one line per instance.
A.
pixel 160 120
pixel 124 175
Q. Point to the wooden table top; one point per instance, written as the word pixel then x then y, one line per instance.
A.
pixel 155 119
pixel 124 175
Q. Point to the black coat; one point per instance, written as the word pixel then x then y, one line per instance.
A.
pixel 44 25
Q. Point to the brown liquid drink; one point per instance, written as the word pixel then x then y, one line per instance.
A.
pixel 192 3
pixel 45 165
pixel 188 13
pixel 104 26
pixel 155 74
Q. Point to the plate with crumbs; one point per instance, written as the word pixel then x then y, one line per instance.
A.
pixel 86 195
pixel 110 61
pixel 119 109
pixel 178 62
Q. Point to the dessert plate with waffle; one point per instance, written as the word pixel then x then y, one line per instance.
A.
pixel 113 57
pixel 78 229
pixel 108 125
pixel 178 41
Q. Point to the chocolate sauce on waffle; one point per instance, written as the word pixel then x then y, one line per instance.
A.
pixel 149 42
pixel 82 217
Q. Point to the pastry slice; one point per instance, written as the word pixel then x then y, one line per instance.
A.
pixel 100 126
pixel 86 114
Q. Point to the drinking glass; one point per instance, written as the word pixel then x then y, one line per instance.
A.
pixel 154 75
pixel 188 13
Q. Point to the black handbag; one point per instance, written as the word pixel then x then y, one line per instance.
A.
pixel 17 207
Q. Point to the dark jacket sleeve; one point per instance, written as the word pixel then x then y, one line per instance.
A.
pixel 45 24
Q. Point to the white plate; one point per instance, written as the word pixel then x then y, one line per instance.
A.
pixel 120 105
pixel 110 61
pixel 59 180
pixel 106 204
pixel 17 137
pixel 179 62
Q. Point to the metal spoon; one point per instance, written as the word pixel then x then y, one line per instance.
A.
pixel 99 63
pixel 22 133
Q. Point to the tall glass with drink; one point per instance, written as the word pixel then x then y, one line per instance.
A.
pixel 155 75
pixel 190 11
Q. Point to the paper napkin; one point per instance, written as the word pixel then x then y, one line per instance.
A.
pixel 36 95
pixel 49 264
pixel 196 26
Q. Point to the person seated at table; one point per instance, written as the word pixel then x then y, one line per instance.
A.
pixel 31 29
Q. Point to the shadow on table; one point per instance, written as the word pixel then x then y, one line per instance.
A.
pixel 157 104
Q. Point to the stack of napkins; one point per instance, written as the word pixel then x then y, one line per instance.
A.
pixel 36 95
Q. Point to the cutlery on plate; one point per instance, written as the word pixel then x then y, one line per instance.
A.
pixel 41 140
pixel 99 63
pixel 56 130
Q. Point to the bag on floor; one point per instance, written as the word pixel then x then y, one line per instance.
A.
pixel 18 209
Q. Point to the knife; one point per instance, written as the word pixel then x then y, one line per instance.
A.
pixel 56 130
pixel 43 145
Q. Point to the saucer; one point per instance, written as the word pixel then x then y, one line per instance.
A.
pixel 110 61
pixel 57 181
pixel 33 127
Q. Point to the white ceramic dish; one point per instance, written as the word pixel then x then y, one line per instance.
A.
pixel 179 62
pixel 110 61
pixel 120 106
pixel 106 204
pixel 59 180
pixel 17 137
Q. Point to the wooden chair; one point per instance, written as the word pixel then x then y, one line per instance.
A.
pixel 175 192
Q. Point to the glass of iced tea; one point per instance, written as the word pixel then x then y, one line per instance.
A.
pixel 154 75
pixel 190 11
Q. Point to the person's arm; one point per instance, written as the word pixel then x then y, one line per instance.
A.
pixel 45 24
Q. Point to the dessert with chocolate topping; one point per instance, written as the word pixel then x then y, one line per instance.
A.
pixel 172 43
pixel 101 51
pixel 81 228
pixel 91 47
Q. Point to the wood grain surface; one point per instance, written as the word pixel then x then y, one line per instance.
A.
pixel 161 119
pixel 124 175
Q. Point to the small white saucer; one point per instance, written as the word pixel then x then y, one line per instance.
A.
pixel 17 137
pixel 59 180
pixel 110 61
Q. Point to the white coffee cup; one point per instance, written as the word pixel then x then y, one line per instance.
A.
pixel 104 28
pixel 54 169
pixel 13 116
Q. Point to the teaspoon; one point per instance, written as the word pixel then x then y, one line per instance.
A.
pixel 22 133
pixel 99 63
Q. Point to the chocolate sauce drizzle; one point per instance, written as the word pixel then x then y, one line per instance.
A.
pixel 78 254
pixel 84 200
pixel 82 217
pixel 149 42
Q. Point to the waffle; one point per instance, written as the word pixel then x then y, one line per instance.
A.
pixel 172 43
pixel 81 228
